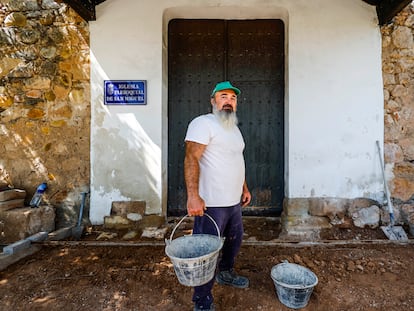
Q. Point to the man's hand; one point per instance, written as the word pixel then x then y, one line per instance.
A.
pixel 246 195
pixel 246 198
pixel 195 206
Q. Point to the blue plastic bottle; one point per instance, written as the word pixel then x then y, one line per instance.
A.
pixel 37 197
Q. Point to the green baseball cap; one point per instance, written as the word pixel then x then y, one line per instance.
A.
pixel 225 85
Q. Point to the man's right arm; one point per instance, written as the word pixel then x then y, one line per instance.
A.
pixel 193 152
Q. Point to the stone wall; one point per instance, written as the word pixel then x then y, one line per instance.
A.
pixel 398 74
pixel 44 100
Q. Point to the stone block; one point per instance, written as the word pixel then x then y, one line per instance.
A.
pixel 8 205
pixel 154 233
pixel 20 223
pixel 365 212
pixel 329 207
pixel 316 207
pixel 385 215
pixel 117 222
pixel 123 222
pixel 307 223
pixel 296 206
pixel 366 217
pixel 407 213
pixel 133 210
pixel 303 227
pixel 362 203
pixel 402 186
pixel 12 194
pixel 130 235
pixel 151 221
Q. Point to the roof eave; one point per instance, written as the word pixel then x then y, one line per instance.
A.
pixel 386 9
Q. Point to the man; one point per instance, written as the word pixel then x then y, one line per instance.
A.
pixel 214 171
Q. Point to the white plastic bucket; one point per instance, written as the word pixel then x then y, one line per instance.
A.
pixel 294 284
pixel 194 257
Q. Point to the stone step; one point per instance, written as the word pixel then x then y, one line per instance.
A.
pixel 12 194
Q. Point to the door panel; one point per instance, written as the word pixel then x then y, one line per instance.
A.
pixel 193 68
pixel 250 53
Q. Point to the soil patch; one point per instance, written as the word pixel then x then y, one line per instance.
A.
pixel 377 275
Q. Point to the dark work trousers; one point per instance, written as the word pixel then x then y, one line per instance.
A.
pixel 229 221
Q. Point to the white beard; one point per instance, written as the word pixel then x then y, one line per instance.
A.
pixel 227 119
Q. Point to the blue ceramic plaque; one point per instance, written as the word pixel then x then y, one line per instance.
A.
pixel 125 92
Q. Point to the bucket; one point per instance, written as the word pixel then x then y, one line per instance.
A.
pixel 194 257
pixel 294 284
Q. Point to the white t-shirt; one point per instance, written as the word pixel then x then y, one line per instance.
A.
pixel 222 168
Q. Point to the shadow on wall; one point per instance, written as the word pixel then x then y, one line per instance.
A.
pixel 125 162
pixel 45 102
pixel 33 163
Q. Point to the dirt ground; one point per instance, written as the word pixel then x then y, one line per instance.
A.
pixel 366 273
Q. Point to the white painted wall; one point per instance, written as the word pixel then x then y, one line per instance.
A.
pixel 334 98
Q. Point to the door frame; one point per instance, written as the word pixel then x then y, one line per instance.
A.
pixel 226 13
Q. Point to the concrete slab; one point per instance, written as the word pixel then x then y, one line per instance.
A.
pixel 9 259
pixel 38 237
pixel 303 228
pixel 16 251
pixel 17 246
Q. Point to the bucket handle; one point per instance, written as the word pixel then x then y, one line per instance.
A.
pixel 182 219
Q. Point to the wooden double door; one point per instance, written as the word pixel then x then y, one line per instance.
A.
pixel 250 54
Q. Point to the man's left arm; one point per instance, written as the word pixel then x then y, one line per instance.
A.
pixel 246 196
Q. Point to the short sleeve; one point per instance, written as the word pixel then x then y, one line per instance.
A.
pixel 198 131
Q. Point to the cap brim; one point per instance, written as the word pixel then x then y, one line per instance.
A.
pixel 234 89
